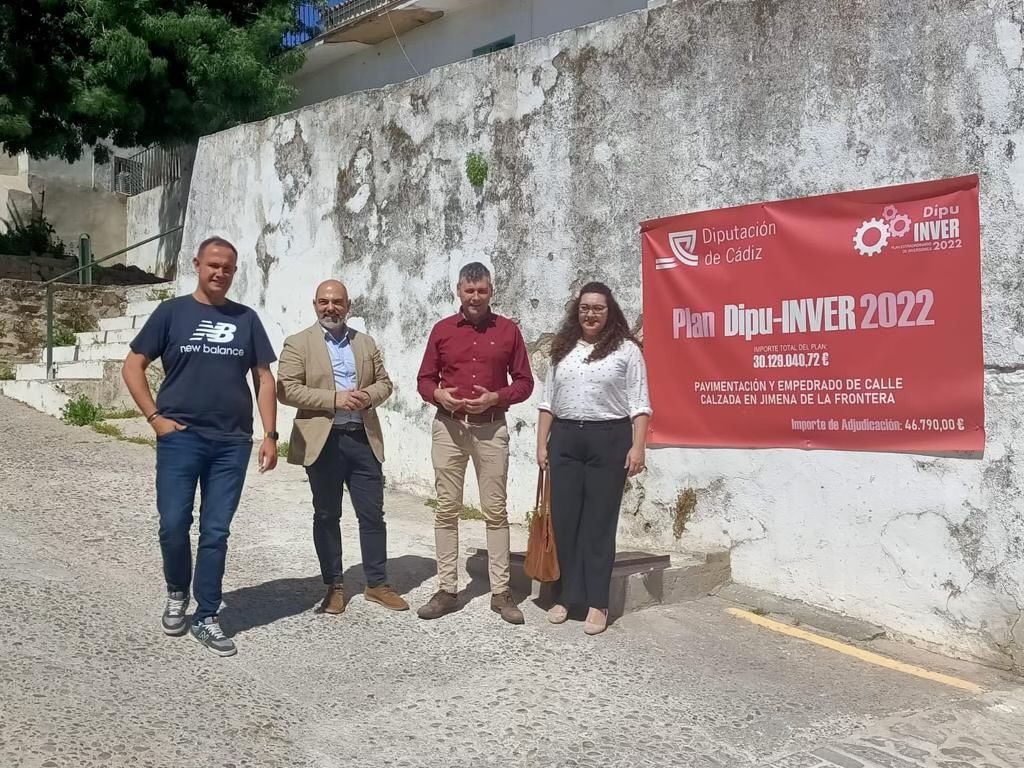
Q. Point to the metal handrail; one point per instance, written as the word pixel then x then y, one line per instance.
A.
pixel 48 285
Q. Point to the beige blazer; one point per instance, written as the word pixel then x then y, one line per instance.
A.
pixel 305 380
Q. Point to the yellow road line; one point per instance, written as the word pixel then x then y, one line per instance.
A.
pixel 857 653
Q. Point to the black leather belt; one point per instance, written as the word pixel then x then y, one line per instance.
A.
pixel 350 426
pixel 585 424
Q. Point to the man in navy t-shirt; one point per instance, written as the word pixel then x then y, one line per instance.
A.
pixel 203 423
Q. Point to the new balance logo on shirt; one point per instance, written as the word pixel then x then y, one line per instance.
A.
pixel 218 333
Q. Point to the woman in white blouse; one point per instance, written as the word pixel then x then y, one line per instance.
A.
pixel 591 435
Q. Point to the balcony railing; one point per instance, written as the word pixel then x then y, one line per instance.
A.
pixel 147 169
pixel 318 18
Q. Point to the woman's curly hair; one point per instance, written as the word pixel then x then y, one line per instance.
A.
pixel 616 330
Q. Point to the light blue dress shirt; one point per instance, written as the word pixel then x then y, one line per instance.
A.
pixel 343 361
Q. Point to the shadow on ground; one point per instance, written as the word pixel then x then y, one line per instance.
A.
pixel 263 604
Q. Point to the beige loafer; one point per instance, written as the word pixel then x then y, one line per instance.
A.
pixel 596 627
pixel 558 614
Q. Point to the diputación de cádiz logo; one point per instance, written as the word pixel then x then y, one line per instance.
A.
pixel 682 245
pixel 893 224
pixel 218 333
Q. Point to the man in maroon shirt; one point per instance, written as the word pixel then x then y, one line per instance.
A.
pixel 466 367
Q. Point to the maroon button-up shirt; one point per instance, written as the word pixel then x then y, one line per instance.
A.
pixel 460 354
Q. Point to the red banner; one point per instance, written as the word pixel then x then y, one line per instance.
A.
pixel 848 321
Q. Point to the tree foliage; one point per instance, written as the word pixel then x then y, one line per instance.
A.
pixel 138 72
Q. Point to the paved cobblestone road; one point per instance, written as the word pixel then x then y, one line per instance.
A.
pixel 87 678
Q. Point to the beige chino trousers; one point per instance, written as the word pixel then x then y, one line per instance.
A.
pixel 454 443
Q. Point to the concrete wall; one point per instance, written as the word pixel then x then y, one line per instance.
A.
pixel 686 107
pixel 451 38
pixel 37 269
pixel 10 165
pixel 150 213
pixel 75 198
pixel 74 210
pixel 84 172
pixel 13 181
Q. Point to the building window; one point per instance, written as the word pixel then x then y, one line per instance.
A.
pixel 497 45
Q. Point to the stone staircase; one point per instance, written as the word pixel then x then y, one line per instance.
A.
pixel 92 367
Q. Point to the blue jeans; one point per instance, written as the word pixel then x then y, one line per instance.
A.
pixel 184 459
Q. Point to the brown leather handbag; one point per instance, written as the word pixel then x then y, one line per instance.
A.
pixel 541 556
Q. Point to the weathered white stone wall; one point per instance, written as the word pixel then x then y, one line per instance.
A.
pixel 150 213
pixel 155 211
pixel 690 106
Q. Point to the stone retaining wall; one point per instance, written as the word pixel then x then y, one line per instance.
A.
pixel 23 314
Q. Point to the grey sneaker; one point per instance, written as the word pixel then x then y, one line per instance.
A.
pixel 173 620
pixel 209 633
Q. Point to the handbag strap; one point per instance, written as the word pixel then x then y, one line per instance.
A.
pixel 547 492
pixel 543 504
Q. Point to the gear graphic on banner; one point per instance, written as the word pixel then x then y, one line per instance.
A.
pixel 899 225
pixel 883 237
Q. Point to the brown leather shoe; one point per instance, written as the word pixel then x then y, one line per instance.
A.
pixel 440 604
pixel 504 604
pixel 334 600
pixel 387 597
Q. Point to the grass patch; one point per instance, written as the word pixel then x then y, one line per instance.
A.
pixel 64 337
pixel 470 513
pixel 114 431
pixel 120 413
pixel 282 449
pixel 6 372
pixel 110 430
pixel 466 513
pixel 81 412
pixel 476 169
pixel 160 294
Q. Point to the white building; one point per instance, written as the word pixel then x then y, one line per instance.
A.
pixel 370 43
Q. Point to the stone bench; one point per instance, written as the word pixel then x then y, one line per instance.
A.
pixel 639 579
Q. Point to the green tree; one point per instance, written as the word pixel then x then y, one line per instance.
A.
pixel 139 72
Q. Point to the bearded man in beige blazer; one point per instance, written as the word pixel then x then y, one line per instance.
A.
pixel 335 377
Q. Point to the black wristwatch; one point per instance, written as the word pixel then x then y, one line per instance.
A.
pixel 273 435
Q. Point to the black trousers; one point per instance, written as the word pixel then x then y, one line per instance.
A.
pixel 347 459
pixel 588 475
